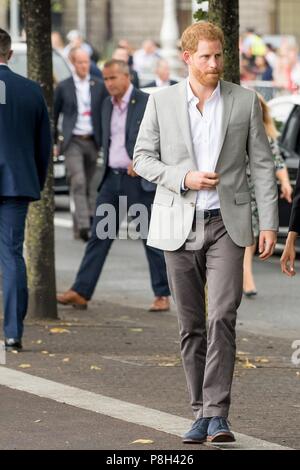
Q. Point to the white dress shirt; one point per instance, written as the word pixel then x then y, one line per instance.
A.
pixel 206 135
pixel 84 125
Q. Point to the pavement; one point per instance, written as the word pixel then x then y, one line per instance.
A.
pixel 111 377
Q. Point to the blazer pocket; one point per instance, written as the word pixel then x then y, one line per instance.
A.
pixel 164 199
pixel 242 198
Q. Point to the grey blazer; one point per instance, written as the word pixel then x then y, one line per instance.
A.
pixel 164 154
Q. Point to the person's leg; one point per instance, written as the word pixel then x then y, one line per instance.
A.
pixel 249 287
pixel 97 248
pixel 90 163
pixel 155 257
pixel 15 294
pixel 78 189
pixel 225 284
pixel 187 281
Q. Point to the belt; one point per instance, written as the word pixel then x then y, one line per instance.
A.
pixel 84 137
pixel 208 214
pixel 118 171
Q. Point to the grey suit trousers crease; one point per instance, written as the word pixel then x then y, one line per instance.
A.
pixel 208 354
pixel 81 160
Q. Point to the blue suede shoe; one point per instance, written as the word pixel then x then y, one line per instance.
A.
pixel 198 432
pixel 218 430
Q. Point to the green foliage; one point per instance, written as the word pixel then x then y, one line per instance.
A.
pixel 56 6
pixel 201 15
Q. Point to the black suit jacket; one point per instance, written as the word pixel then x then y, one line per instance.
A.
pixel 153 84
pixel 25 137
pixel 295 215
pixel 65 103
pixel 136 109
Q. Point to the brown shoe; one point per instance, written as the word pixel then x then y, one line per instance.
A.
pixel 160 304
pixel 72 298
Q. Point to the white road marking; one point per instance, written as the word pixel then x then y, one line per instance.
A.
pixel 117 409
pixel 64 223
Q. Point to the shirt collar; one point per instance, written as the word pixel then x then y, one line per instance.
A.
pixel 80 80
pixel 2 63
pixel 125 98
pixel 191 97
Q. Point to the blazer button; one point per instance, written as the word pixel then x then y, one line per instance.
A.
pixel 192 204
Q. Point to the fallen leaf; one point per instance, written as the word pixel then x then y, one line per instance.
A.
pixel 245 339
pixel 25 366
pixel 136 330
pixel 39 341
pixel 51 355
pixel 262 360
pixel 248 365
pixel 38 421
pixel 242 353
pixel 95 368
pixel 14 352
pixel 44 352
pixel 142 441
pixel 66 359
pixel 298 374
pixel 58 330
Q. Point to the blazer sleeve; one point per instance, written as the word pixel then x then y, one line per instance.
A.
pixel 262 170
pixel 43 142
pixel 294 225
pixel 57 109
pixel 147 158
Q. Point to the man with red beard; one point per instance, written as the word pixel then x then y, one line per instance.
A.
pixel 192 143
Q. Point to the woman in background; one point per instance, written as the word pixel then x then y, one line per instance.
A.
pixel 285 189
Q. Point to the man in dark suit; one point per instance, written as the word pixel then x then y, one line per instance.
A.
pixel 289 254
pixel 79 99
pixel 121 117
pixel 162 75
pixel 25 146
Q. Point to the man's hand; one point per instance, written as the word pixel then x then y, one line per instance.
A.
pixel 201 180
pixel 287 259
pixel 267 241
pixel 55 151
pixel 131 172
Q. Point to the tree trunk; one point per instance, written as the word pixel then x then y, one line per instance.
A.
pixel 40 228
pixel 225 13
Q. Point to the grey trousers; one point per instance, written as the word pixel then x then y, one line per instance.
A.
pixel 208 354
pixel 81 159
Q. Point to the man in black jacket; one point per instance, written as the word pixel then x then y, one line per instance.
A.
pixel 79 99
pixel 121 117
pixel 289 254
pixel 25 147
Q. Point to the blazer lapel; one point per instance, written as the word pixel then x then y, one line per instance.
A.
pixel 226 94
pixel 183 118
pixel 93 92
pixel 131 110
pixel 106 120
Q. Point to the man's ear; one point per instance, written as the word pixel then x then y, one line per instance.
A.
pixel 10 55
pixel 186 55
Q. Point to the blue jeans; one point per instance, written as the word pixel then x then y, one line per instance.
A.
pixel 13 213
pixel 96 251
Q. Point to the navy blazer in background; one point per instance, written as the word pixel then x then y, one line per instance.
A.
pixel 153 84
pixel 65 102
pixel 25 137
pixel 136 108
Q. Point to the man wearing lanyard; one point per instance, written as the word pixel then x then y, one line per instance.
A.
pixel 79 100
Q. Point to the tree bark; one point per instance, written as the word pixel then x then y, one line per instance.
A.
pixel 40 228
pixel 225 13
